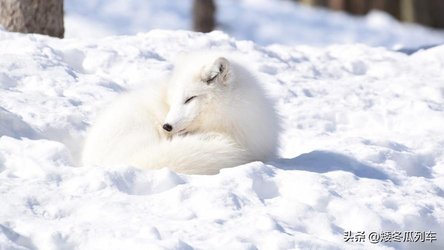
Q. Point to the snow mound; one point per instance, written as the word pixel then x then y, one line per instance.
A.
pixel 362 150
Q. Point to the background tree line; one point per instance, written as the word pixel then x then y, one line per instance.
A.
pixel 426 12
pixel 46 16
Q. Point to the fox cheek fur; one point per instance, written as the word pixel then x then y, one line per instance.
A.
pixel 185 106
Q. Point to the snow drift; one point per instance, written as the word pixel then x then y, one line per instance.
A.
pixel 362 151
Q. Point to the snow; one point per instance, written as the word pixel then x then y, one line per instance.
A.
pixel 363 149
pixel 263 21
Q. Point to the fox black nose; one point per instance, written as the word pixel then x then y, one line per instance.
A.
pixel 167 127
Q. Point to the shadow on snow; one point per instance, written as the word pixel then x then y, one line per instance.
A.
pixel 326 161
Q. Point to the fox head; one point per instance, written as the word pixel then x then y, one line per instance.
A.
pixel 195 90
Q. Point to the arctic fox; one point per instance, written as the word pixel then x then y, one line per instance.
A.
pixel 209 115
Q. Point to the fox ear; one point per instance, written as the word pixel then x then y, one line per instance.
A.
pixel 216 72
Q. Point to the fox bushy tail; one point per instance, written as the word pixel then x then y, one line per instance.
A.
pixel 192 154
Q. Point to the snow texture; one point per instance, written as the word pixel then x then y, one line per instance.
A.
pixel 263 21
pixel 363 149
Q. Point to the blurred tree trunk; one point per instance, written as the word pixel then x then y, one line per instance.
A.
pixel 417 11
pixel 437 7
pixel 323 3
pixel 203 15
pixel 358 7
pixel 336 4
pixel 316 2
pixel 390 6
pixel 33 16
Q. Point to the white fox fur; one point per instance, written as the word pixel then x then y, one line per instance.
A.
pixel 218 117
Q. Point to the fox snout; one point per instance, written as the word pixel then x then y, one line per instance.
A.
pixel 167 127
pixel 177 120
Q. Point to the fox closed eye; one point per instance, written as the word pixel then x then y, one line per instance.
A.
pixel 189 99
pixel 211 79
